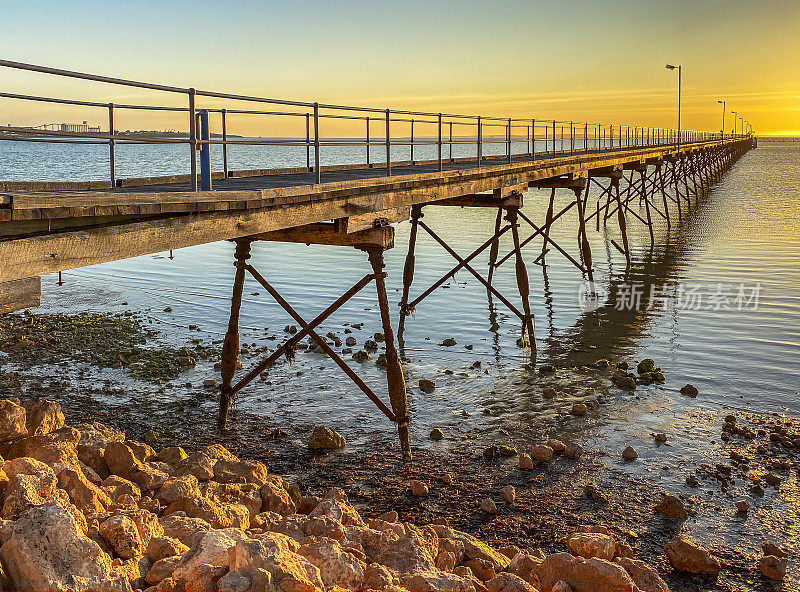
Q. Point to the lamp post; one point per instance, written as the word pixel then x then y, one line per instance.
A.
pixel 723 117
pixel 735 115
pixel 679 68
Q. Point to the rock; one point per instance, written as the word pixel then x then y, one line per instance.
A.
pixel 427 385
pixel 336 567
pixel 773 567
pixel 414 552
pixel 573 450
pixel 30 483
pixel 276 499
pixel 45 549
pixel 523 565
pixel 624 380
pixel 770 548
pixel 121 460
pixel 447 479
pixel 578 409
pixel 673 507
pixel 42 417
pixel 472 547
pixel 162 569
pixel 361 356
pixel 12 420
pixel 115 486
pixel 742 506
pixel 772 479
pixel 234 581
pixel 645 577
pixel 549 392
pixel 660 437
pixel 211 550
pixel 210 382
pixel 561 586
pixel 525 462
pixel 556 445
pixel 418 488
pixel 507 582
pixel 172 455
pixel 488 506
pixel 275 554
pixel 56 449
pixel 541 453
pixel 686 555
pixel 160 547
pixel 335 505
pixel 599 574
pixel 689 390
pixel 436 434
pixel 645 366
pixel 240 471
pixel 181 527
pixel 198 464
pixel 497 450
pixel 509 493
pixel 86 496
pixel 323 437
pixel 630 453
pixel 449 342
pixel 589 544
pixel 692 481
pixel 176 488
pixel 121 535
pixel 218 515
pixel 436 580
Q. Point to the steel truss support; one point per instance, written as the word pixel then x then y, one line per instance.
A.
pixel 508 210
pixel 319 234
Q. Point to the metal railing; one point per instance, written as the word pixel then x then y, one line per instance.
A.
pixel 541 138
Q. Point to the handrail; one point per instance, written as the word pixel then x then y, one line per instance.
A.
pixel 558 137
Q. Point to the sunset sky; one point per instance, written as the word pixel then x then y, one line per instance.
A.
pixel 588 61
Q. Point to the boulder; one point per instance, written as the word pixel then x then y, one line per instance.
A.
pixel 172 455
pixel 600 575
pixel 525 462
pixel 437 580
pixel 573 450
pixel 509 493
pixel 645 577
pixel 689 390
pixel 84 494
pixel 323 437
pixel 418 488
pixel 507 582
pixel 98 435
pixel 335 505
pixel 414 552
pixel 121 534
pixel 42 416
pixel 472 547
pixel 162 569
pixel 556 445
pixel 234 581
pixel 770 548
pixel 524 566
pixel 30 483
pixel 686 555
pixel 162 546
pixel 115 486
pixel 182 527
pixel 591 544
pixel 773 567
pixel 488 505
pixel 56 449
pixel 134 569
pixel 197 464
pixel 276 554
pixel 176 488
pixel 45 549
pixel 673 507
pixel 12 420
pixel 121 460
pixel 239 471
pixel 216 514
pixel 337 568
pixel 541 453
pixel 276 499
pixel 247 495
pixel 379 577
pixel 211 550
pixel 630 453
pixel 218 451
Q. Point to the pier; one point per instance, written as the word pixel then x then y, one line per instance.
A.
pixel 617 174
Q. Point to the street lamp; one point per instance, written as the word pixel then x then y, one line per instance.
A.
pixel 723 117
pixel 735 116
pixel 679 67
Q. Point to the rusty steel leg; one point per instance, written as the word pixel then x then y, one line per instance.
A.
pixel 230 346
pixel 522 282
pixel 548 222
pixel 622 224
pixel 394 372
pixel 495 248
pixel 584 240
pixel 408 269
pixel 643 175
pixel 663 193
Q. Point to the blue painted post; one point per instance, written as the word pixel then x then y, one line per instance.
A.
pixel 205 151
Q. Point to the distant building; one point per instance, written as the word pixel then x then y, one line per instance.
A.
pixel 79 127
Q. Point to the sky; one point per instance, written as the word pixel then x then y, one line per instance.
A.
pixel 596 61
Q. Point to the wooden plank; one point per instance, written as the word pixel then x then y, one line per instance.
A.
pixel 560 182
pixel 324 233
pixel 20 293
pixel 480 200
pixel 372 219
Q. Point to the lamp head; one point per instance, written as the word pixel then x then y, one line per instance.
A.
pixel 721 102
pixel 670 67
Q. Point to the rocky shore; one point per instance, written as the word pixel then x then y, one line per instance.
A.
pixel 85 508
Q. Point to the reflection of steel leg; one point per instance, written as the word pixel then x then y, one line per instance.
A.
pixel 230 346
pixel 522 282
pixel 394 372
pixel 493 250
pixel 583 239
pixel 622 224
pixel 408 270
pixel 643 175
pixel 548 222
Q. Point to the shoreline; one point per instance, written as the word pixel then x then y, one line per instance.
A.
pixel 552 499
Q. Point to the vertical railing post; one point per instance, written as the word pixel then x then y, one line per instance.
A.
pixel 599 138
pixel 508 139
pixel 439 141
pixel 388 147
pixel 571 138
pixel 412 141
pixel 480 141
pixel 308 142
pixel 554 137
pixel 192 140
pixel 317 167
pixel 205 151
pixel 225 141
pixel 586 137
pixel 533 139
pixel 528 139
pixel 369 166
pixel 111 150
pixel 451 141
